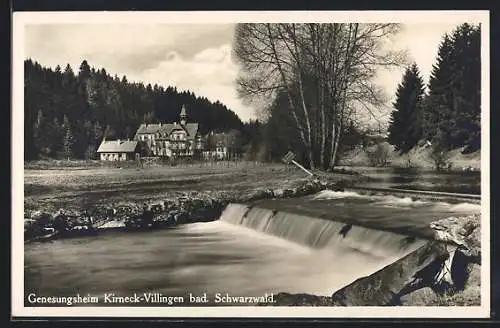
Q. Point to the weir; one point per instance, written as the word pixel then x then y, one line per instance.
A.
pixel 355 251
pixel 367 254
pixel 321 234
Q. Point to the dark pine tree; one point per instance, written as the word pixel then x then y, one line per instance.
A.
pixel 68 139
pixel 452 109
pixel 405 129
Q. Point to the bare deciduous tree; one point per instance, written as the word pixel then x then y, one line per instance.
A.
pixel 326 71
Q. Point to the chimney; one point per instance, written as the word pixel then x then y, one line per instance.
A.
pixel 160 124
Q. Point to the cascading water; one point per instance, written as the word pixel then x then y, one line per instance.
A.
pixel 359 234
pixel 358 251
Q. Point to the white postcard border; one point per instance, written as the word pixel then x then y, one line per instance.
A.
pixel 20 19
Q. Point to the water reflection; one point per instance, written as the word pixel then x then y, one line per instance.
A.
pixel 417 179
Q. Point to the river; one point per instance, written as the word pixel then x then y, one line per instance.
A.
pixel 243 253
pixel 419 179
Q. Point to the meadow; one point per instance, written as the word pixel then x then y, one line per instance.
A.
pixel 81 186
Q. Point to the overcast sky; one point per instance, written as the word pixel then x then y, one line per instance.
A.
pixel 190 56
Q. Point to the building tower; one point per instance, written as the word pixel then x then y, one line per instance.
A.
pixel 183 115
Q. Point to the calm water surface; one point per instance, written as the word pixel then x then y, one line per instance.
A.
pixel 404 178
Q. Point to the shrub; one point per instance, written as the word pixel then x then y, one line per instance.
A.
pixel 379 155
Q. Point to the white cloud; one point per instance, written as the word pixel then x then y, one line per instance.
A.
pixel 214 55
pixel 210 73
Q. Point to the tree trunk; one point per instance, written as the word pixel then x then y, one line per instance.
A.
pixel 335 145
pixel 343 93
pixel 305 141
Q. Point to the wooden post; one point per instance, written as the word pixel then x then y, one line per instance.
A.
pixel 301 167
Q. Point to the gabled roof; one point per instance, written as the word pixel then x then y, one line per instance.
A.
pixel 149 128
pixel 190 128
pixel 117 146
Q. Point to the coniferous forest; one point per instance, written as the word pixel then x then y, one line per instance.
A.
pixel 67 114
pixel 449 114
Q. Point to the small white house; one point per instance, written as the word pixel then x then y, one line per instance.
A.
pixel 219 153
pixel 117 150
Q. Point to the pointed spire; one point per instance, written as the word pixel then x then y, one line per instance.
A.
pixel 183 115
pixel 183 112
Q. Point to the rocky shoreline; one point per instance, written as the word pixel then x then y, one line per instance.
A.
pixel 186 208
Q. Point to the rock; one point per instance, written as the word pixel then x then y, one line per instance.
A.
pixel 401 277
pixel 258 194
pixel 69 213
pixel 473 242
pixel 35 215
pixel 460 269
pixel 462 231
pixel 41 218
pixel 112 225
pixel 157 208
pixel 420 297
pixel 278 193
pixel 306 189
pixel 168 204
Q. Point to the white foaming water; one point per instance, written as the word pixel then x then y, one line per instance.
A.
pixel 241 233
pixel 395 201
pixel 382 200
pixel 330 194
pixel 399 201
pixel 461 207
pixel 356 250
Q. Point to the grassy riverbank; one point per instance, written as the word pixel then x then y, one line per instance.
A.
pixel 418 157
pixel 79 186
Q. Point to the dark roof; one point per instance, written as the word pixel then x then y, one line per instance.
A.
pixel 148 128
pixel 190 128
pixel 117 146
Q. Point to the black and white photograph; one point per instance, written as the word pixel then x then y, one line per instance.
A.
pixel 251 164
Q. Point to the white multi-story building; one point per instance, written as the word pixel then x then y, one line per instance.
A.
pixel 178 139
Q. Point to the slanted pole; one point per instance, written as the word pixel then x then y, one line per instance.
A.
pixel 301 167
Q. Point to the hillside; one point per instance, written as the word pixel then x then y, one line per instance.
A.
pixel 418 157
pixel 67 112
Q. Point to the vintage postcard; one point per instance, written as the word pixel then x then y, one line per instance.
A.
pixel 251 164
